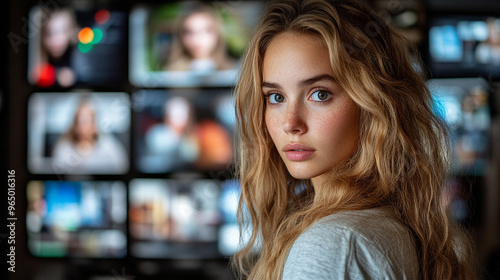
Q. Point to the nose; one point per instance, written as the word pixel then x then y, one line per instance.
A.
pixel 295 120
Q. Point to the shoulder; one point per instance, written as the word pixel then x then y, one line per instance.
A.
pixel 358 244
pixel 158 131
pixel 376 225
pixel 107 139
pixel 108 144
pixel 63 144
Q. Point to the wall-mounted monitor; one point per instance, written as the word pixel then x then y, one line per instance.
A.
pixel 464 46
pixel 189 44
pixel 463 105
pixel 77 47
pixel 183 218
pixel 77 219
pixel 183 130
pixel 78 133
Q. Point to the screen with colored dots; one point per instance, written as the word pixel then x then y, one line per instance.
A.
pixel 77 47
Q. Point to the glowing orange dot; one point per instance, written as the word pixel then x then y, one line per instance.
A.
pixel 102 16
pixel 86 35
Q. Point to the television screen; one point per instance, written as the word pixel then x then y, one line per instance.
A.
pixel 183 130
pixel 457 198
pixel 463 105
pixel 183 218
pixel 78 133
pixel 74 47
pixel 229 232
pixel 464 46
pixel 186 44
pixel 477 6
pixel 77 219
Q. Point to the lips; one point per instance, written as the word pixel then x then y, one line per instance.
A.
pixel 298 152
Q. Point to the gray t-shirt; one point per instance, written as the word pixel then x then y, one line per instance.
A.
pixel 364 244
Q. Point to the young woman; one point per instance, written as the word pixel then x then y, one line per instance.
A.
pixel 85 148
pixel 341 160
pixel 54 60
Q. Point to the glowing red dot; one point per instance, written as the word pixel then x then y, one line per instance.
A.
pixel 47 76
pixel 102 16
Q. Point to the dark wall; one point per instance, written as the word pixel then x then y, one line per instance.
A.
pixel 4 28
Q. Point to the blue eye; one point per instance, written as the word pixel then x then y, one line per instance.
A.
pixel 275 98
pixel 320 95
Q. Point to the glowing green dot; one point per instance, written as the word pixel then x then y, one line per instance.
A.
pixel 85 48
pixel 98 34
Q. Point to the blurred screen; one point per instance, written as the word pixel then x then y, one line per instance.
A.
pixel 73 47
pixel 463 105
pixel 229 232
pixel 185 44
pixel 77 219
pixel 464 46
pixel 457 198
pixel 177 219
pixel 183 130
pixel 78 133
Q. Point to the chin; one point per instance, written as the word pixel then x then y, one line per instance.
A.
pixel 306 172
pixel 301 174
pixel 301 177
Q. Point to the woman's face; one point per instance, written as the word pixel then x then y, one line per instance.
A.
pixel 58 34
pixel 85 123
pixel 199 35
pixel 311 119
pixel 177 114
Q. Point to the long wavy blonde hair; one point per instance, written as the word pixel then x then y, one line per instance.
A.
pixel 400 161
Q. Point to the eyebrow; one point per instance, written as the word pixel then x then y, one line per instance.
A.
pixel 306 82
